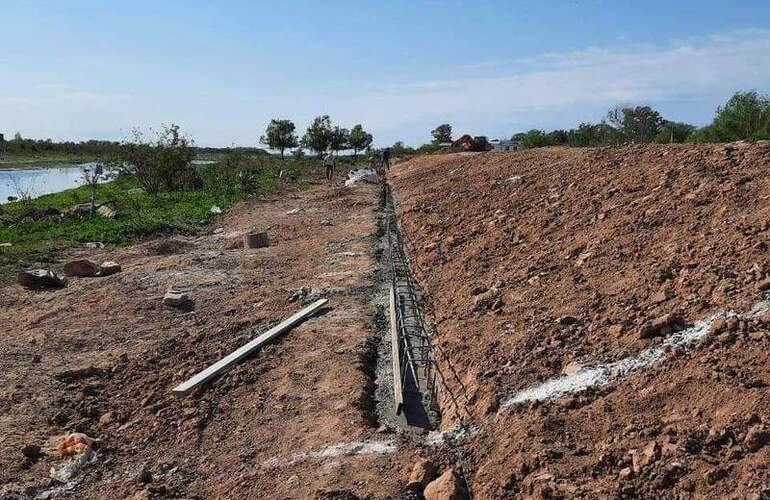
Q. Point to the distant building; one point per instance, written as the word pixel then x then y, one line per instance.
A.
pixel 2 138
pixel 504 145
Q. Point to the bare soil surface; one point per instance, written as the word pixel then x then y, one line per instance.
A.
pixel 102 355
pixel 541 262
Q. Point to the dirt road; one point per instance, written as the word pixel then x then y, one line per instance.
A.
pixel 102 355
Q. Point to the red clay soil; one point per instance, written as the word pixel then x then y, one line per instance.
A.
pixel 535 261
pixel 101 357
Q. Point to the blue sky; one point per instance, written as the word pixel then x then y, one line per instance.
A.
pixel 80 69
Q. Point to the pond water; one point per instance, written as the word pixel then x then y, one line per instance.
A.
pixel 47 179
pixel 38 181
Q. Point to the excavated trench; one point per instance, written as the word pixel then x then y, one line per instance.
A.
pixel 418 411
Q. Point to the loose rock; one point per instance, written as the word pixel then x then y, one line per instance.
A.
pixel 109 267
pixel 422 474
pixel 82 268
pixel 756 438
pixel 446 487
pixel 176 299
pixel 41 279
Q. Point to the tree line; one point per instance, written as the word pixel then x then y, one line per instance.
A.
pixel 321 136
pixel 745 116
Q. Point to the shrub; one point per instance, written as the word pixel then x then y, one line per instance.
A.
pixel 162 165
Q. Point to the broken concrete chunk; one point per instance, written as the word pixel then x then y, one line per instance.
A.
pixel 41 279
pixel 255 240
pixel 82 268
pixel 176 299
pixel 109 267
pixel 107 212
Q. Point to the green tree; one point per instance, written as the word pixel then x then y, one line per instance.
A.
pixel 318 135
pixel 536 139
pixel 675 132
pixel 399 149
pixel 442 133
pixel 280 135
pixel 746 116
pixel 359 140
pixel 591 135
pixel 639 124
pixel 338 139
pixel 559 137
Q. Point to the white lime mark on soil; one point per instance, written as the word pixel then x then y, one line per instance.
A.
pixel 380 447
pixel 601 375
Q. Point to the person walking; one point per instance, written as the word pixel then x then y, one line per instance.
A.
pixel 330 162
pixel 385 159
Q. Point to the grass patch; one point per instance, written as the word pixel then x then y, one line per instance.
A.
pixel 37 241
pixel 38 238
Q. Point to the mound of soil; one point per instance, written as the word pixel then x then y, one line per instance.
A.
pixel 540 262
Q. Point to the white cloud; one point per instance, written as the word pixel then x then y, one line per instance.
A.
pixel 543 89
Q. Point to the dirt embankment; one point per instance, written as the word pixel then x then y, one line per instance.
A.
pixel 101 357
pixel 543 262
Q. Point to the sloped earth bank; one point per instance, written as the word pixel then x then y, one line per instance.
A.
pixel 555 262
pixel 297 420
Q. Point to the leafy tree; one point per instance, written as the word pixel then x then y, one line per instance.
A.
pixel 359 140
pixel 535 139
pixel 91 178
pixel 164 164
pixel 591 135
pixel 675 132
pixel 442 133
pixel 746 116
pixel 399 149
pixel 318 135
pixel 639 124
pixel 338 139
pixel 559 137
pixel 280 135
pixel 708 133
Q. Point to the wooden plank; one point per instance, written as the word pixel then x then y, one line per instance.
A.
pixel 395 356
pixel 235 356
